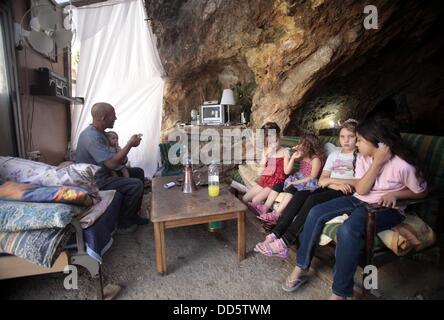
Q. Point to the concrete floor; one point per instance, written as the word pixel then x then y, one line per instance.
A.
pixel 204 265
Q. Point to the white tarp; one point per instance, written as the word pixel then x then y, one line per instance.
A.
pixel 119 64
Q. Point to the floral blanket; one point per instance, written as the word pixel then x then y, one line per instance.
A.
pixel 27 192
pixel 23 216
pixel 41 247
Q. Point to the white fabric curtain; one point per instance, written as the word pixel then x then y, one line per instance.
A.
pixel 119 64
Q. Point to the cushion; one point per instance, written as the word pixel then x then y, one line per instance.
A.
pixel 22 216
pixel 27 171
pixel 411 234
pixel 249 174
pixel 10 190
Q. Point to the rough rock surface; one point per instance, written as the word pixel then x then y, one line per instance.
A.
pixel 310 60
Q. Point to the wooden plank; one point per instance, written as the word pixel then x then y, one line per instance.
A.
pixel 160 246
pixel 241 243
pixel 199 220
pixel 15 267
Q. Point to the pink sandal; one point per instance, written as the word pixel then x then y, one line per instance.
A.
pixel 259 208
pixel 269 238
pixel 276 249
pixel 270 217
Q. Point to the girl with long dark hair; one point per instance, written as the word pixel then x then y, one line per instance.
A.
pixel 387 171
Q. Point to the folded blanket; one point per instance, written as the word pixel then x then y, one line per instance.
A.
pixel 41 247
pixel 10 190
pixel 22 216
pixel 411 234
pixel 98 237
pixel 90 216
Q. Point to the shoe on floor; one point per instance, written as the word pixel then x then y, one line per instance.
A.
pixel 276 249
pixel 291 286
pixel 269 217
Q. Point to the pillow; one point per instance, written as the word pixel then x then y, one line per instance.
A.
pixel 27 171
pixel 34 193
pixel 22 170
pixel 411 234
pixel 22 216
pixel 77 175
pixel 249 174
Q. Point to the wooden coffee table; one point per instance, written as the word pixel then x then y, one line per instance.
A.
pixel 172 209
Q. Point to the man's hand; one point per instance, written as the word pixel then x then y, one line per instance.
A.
pixel 382 155
pixel 344 188
pixel 388 200
pixel 134 141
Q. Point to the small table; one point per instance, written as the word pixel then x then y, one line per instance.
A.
pixel 171 208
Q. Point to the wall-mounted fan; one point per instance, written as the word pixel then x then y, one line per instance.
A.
pixel 47 31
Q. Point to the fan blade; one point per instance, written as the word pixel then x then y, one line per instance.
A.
pixel 41 42
pixel 34 24
pixel 63 38
pixel 47 18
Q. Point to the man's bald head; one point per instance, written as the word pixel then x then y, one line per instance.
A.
pixel 100 109
pixel 103 115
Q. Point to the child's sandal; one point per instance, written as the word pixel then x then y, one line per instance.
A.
pixel 293 285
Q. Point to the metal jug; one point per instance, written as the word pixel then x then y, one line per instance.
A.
pixel 188 183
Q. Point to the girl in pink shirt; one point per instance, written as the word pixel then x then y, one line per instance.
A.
pixel 387 171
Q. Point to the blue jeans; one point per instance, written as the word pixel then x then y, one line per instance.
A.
pixel 349 237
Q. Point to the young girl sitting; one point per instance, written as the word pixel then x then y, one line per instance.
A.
pixel 275 158
pixel 337 179
pixel 310 153
pixel 387 171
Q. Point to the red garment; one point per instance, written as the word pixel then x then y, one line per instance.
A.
pixel 273 173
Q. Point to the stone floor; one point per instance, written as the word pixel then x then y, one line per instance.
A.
pixel 204 265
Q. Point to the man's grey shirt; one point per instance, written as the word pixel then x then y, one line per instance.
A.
pixel 93 147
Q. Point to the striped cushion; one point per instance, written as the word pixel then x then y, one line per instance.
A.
pixel 430 150
pixel 235 176
pixel 331 230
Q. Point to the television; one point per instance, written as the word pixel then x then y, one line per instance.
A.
pixel 213 114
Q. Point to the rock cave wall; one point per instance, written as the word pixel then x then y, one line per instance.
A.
pixel 311 61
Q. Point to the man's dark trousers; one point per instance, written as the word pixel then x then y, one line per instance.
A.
pixel 132 190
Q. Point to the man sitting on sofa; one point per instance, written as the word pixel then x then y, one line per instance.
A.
pixel 93 147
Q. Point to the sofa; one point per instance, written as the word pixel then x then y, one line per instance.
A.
pixel 52 217
pixel 425 218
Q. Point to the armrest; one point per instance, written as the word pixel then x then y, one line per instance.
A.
pixel 434 194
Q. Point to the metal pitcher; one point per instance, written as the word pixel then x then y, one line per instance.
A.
pixel 188 183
